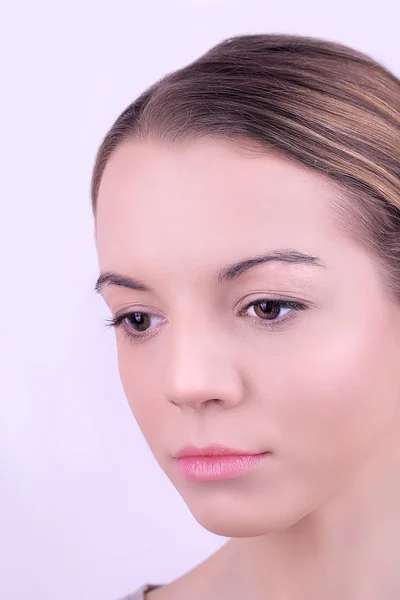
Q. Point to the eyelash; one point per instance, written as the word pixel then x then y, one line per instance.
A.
pixel 120 320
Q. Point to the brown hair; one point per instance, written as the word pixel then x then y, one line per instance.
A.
pixel 319 103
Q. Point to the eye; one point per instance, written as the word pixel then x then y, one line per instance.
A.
pixel 138 325
pixel 135 324
pixel 269 310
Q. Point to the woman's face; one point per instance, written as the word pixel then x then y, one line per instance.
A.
pixel 315 384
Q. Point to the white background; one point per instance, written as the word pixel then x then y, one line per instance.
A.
pixel 85 513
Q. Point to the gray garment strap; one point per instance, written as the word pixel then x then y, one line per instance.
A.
pixel 139 594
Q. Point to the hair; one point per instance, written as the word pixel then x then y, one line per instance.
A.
pixel 323 105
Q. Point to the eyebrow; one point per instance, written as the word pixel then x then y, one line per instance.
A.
pixel 227 273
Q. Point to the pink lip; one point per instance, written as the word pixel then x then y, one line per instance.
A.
pixel 214 463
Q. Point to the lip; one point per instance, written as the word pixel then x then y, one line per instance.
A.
pixel 214 463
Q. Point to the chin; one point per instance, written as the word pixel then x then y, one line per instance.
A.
pixel 235 516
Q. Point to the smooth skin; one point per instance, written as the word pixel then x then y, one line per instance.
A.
pixel 318 387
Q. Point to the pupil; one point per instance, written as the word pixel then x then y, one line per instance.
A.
pixel 268 308
pixel 140 321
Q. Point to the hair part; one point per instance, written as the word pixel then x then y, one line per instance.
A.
pixel 321 104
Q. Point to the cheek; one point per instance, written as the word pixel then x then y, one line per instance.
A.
pixel 342 396
pixel 142 386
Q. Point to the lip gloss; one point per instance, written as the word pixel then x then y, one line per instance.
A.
pixel 215 463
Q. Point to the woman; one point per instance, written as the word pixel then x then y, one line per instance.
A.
pixel 247 214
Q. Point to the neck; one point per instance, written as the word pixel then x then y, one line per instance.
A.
pixel 346 549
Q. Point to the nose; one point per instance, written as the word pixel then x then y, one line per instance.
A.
pixel 202 371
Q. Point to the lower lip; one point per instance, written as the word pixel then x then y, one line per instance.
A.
pixel 216 468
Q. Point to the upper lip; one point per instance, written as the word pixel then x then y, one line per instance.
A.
pixel 213 450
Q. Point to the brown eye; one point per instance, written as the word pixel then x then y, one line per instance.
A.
pixel 267 309
pixel 138 321
pixel 136 325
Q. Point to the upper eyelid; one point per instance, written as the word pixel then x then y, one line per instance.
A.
pixel 296 304
pixel 259 298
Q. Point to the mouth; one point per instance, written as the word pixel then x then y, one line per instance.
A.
pixel 215 463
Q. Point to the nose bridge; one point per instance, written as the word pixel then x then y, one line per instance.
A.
pixel 201 367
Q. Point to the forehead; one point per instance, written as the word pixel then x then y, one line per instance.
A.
pixel 207 202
